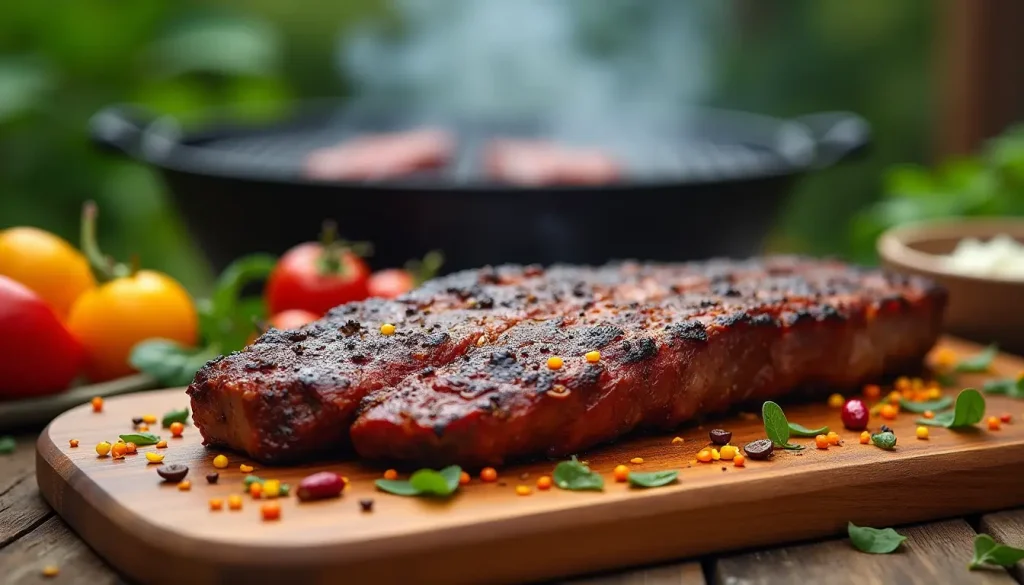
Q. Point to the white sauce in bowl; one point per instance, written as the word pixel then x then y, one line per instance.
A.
pixel 1000 257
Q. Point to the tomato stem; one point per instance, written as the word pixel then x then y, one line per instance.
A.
pixel 104 266
pixel 330 262
pixel 424 270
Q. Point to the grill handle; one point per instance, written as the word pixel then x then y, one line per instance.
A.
pixel 837 135
pixel 119 129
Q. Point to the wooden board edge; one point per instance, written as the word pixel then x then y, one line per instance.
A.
pixel 621 533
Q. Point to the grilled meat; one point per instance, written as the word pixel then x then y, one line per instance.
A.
pixel 381 156
pixel 465 377
pixel 530 163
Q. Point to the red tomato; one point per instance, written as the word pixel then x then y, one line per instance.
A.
pixel 391 283
pixel 315 279
pixel 37 353
pixel 291 319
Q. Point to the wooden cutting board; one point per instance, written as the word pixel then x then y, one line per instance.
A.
pixel 155 533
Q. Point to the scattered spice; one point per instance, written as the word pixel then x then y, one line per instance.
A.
pixel 872 392
pixel 131 448
pixel 620 473
pixel 720 436
pixel 728 452
pixel 833 438
pixel 366 504
pixel 73 443
pixel 739 461
pixel 154 457
pixel 928 414
pixel 523 490
pixel 256 490
pixel 677 441
pixel 889 412
pixel 488 474
pixel 759 450
pixel 97 403
pixel 636 460
pixel 593 356
pixel 51 571
pixel 544 482
pixel 270 511
pixel 922 432
pixel 184 486
pixel 391 475
pixel 211 478
pixel 245 468
pixel 387 329
pixel 463 478
pixel 994 424
pixel 821 442
pixel 555 362
pixel 142 428
pixel 136 421
pixel 1006 417
pixel 102 448
pixel 865 438
pixel 704 456
pixel 234 502
pixel 836 401
pixel 162 444
pixel 216 504
pixel 324 484
pixel 524 476
pixel 149 419
pixel 177 429
pixel 271 488
pixel 220 462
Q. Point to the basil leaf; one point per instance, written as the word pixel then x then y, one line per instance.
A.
pixel 776 427
pixel 652 479
pixel 399 487
pixel 988 552
pixel 1014 388
pixel 227 320
pixel 437 483
pixel 968 410
pixel 978 363
pixel 574 476
pixel 174 416
pixel 802 431
pixel 884 440
pixel 932 405
pixel 874 540
pixel 170 363
pixel 7 445
pixel 140 439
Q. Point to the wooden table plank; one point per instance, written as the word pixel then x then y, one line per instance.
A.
pixel 675 574
pixel 1007 528
pixel 53 543
pixel 933 553
pixel 21 507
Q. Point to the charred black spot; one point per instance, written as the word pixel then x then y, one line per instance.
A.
pixel 359 358
pixel 426 372
pixel 435 339
pixel 439 429
pixel 591 374
pixel 762 320
pixel 639 350
pixel 485 302
pixel 410 312
pixel 688 331
pixel 545 382
pixel 350 328
pixel 598 337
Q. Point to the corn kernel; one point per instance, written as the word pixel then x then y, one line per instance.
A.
pixel 555 363
pixel 216 504
pixel 636 460
pixel 677 441
pixel 523 490
pixel 149 419
pixel 593 356
pixel 185 485
pixel 154 457
pixel 220 462
pixel 728 452
pixel 271 488
pixel 620 473
pixel 994 423
pixel 821 441
pixel 739 461
pixel 934 393
pixel 234 502
pixel 922 432
pixel 833 438
pixel 836 401
pixel 865 438
pixel 715 455
pixel 102 448
pixel 51 571
pixel 387 329
pixel 245 468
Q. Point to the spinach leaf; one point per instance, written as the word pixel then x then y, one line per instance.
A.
pixel 575 476
pixel 978 363
pixel 884 440
pixel 776 427
pixel 988 552
pixel 652 479
pixel 7 445
pixel 874 540
pixel 932 405
pixel 169 362
pixel 174 416
pixel 425 482
pixel 1014 388
pixel 968 410
pixel 800 430
pixel 140 439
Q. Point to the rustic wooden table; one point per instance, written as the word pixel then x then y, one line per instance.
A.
pixel 32 536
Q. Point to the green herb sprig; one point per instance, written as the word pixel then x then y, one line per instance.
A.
pixel 978 363
pixel 920 407
pixel 180 416
pixel 575 476
pixel 874 540
pixel 799 430
pixel 776 427
pixel 652 479
pixel 7 445
pixel 140 439
pixel 1011 387
pixel 988 552
pixel 968 410
pixel 425 482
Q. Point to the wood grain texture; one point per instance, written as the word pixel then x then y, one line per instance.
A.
pixel 52 543
pixel 35 412
pixel 1007 528
pixel 488 530
pixel 673 574
pixel 933 553
pixel 21 508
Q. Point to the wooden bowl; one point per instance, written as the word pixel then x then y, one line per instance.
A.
pixel 984 309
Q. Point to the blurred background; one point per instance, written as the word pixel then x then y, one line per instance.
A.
pixel 936 81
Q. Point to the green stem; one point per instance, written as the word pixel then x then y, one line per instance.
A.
pixel 330 262
pixel 103 265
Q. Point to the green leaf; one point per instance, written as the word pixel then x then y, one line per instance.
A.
pixel 175 416
pixel 574 476
pixel 801 431
pixel 988 552
pixel 140 439
pixel 884 440
pixel 652 479
pixel 7 445
pixel 251 479
pixel 1013 388
pixel 169 362
pixel 218 45
pixel 425 482
pixel 978 363
pixel 776 427
pixel 874 540
pixel 932 405
pixel 227 319
pixel 946 380
pixel 968 410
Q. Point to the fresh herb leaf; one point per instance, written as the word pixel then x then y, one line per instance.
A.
pixel 7 445
pixel 652 479
pixel 884 440
pixel 988 552
pixel 968 410
pixel 946 380
pixel 932 405
pixel 800 430
pixel 776 427
pixel 874 540
pixel 140 439
pixel 229 320
pixel 575 476
pixel 978 363
pixel 174 416
pixel 436 483
pixel 425 482
pixel 251 479
pixel 169 362
pixel 1014 388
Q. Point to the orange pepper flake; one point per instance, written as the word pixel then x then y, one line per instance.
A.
pixel 636 460
pixel 131 448
pixel 185 485
pixel 245 468
pixel 865 438
pixel 143 428
pixel 488 474
pixel 463 478
pixel 234 502
pixel 391 474
pixel 872 392
pixel 620 473
pixel 271 510
pixel 1006 417
pixel 833 438
pixel 889 412
pixel 256 490
pixel 176 429
pixel 704 456
pixel 523 490
pixel 593 356
pixel 994 423
pixel 118 450
pixel 161 444
pixel 97 404
pixel 216 504
pixel 544 482
pixel 928 414
pixel 51 571
pixel 73 443
pixel 902 383
pixel 677 441
pixel 739 461
pixel 895 397
pixel 821 441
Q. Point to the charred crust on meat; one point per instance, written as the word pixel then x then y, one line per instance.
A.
pixel 688 331
pixel 639 350
pixel 435 339
pixel 350 328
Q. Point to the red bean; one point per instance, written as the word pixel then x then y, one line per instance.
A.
pixel 855 415
pixel 318 486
